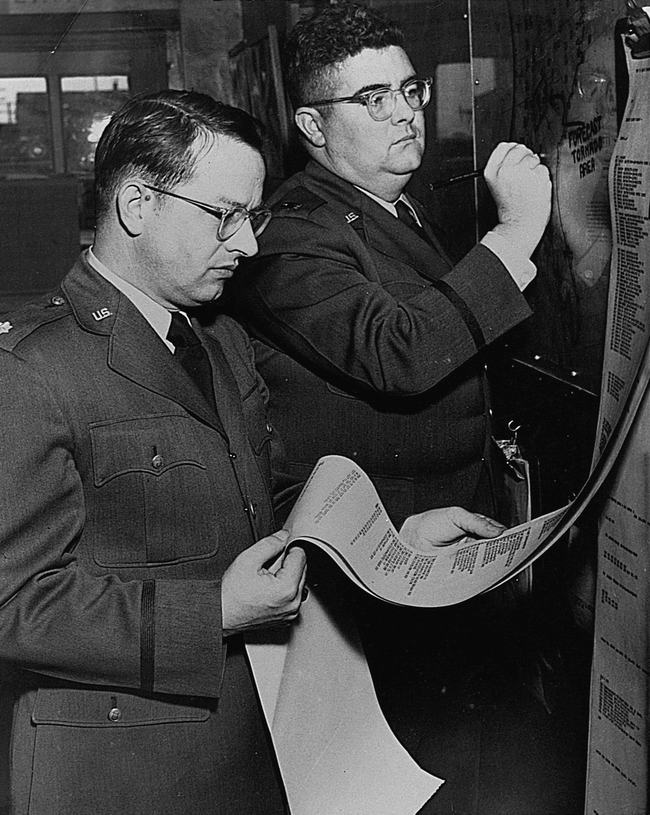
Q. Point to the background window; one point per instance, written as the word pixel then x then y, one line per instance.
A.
pixel 88 102
pixel 25 133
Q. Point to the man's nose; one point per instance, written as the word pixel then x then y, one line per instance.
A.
pixel 403 111
pixel 244 240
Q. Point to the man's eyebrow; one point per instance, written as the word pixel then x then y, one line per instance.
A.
pixel 381 85
pixel 369 88
pixel 228 203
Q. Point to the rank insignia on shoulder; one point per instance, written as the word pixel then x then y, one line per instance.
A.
pixel 5 328
pixel 292 206
pixel 351 216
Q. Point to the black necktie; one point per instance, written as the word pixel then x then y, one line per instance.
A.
pixel 192 355
pixel 405 214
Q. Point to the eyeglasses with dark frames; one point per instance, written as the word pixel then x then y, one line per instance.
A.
pixel 231 220
pixel 380 103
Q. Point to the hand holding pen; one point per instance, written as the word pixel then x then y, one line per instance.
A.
pixel 521 187
pixel 457 179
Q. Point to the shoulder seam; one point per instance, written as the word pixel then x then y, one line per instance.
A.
pixel 21 323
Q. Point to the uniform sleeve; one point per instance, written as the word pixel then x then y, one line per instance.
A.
pixel 318 296
pixel 55 617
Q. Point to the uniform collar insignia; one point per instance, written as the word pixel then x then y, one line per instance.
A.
pixel 351 216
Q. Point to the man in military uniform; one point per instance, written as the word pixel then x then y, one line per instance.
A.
pixel 370 341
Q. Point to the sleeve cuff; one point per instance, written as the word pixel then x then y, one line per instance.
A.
pixel 521 269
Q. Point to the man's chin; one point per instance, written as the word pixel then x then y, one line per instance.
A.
pixel 407 167
pixel 409 160
pixel 218 291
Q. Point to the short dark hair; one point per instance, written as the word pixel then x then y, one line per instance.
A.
pixel 155 135
pixel 317 45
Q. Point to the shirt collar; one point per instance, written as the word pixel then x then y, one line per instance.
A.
pixel 158 317
pixel 390 206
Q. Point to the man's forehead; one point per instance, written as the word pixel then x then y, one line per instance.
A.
pixel 227 169
pixel 213 148
pixel 374 68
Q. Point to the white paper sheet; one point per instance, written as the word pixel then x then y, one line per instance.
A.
pixel 336 752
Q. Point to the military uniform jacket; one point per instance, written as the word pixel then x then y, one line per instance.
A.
pixel 124 498
pixel 369 339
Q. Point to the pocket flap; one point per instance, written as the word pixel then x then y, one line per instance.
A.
pixel 103 708
pixel 152 445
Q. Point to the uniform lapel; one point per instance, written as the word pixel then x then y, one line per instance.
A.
pixel 379 228
pixel 226 392
pixel 139 354
pixel 391 237
pixel 428 228
pixel 135 351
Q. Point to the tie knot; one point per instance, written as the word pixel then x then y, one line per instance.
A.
pixel 405 213
pixel 181 334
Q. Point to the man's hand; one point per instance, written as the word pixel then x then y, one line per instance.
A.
pixel 253 595
pixel 521 188
pixel 440 527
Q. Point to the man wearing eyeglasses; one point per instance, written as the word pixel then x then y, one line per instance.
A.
pixel 369 340
pixel 370 335
pixel 137 503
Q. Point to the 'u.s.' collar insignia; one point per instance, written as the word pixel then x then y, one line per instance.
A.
pixel 351 216
pixel 5 328
pixel 102 314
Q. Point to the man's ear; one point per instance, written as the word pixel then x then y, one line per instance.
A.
pixel 134 202
pixel 310 123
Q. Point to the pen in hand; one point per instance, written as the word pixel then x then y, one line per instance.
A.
pixel 438 185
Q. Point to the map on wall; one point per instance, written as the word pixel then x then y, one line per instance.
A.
pixel 564 107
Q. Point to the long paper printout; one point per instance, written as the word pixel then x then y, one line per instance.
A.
pixel 617 778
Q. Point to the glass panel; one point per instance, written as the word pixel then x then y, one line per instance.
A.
pixel 554 89
pixel 88 103
pixel 25 140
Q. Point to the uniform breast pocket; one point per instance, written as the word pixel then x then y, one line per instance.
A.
pixel 151 492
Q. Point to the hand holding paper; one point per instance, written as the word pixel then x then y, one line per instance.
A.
pixel 434 564
pixel 442 527
pixel 257 595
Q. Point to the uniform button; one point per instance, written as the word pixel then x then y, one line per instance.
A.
pixel 269 427
pixel 157 461
pixel 57 300
pixel 114 714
